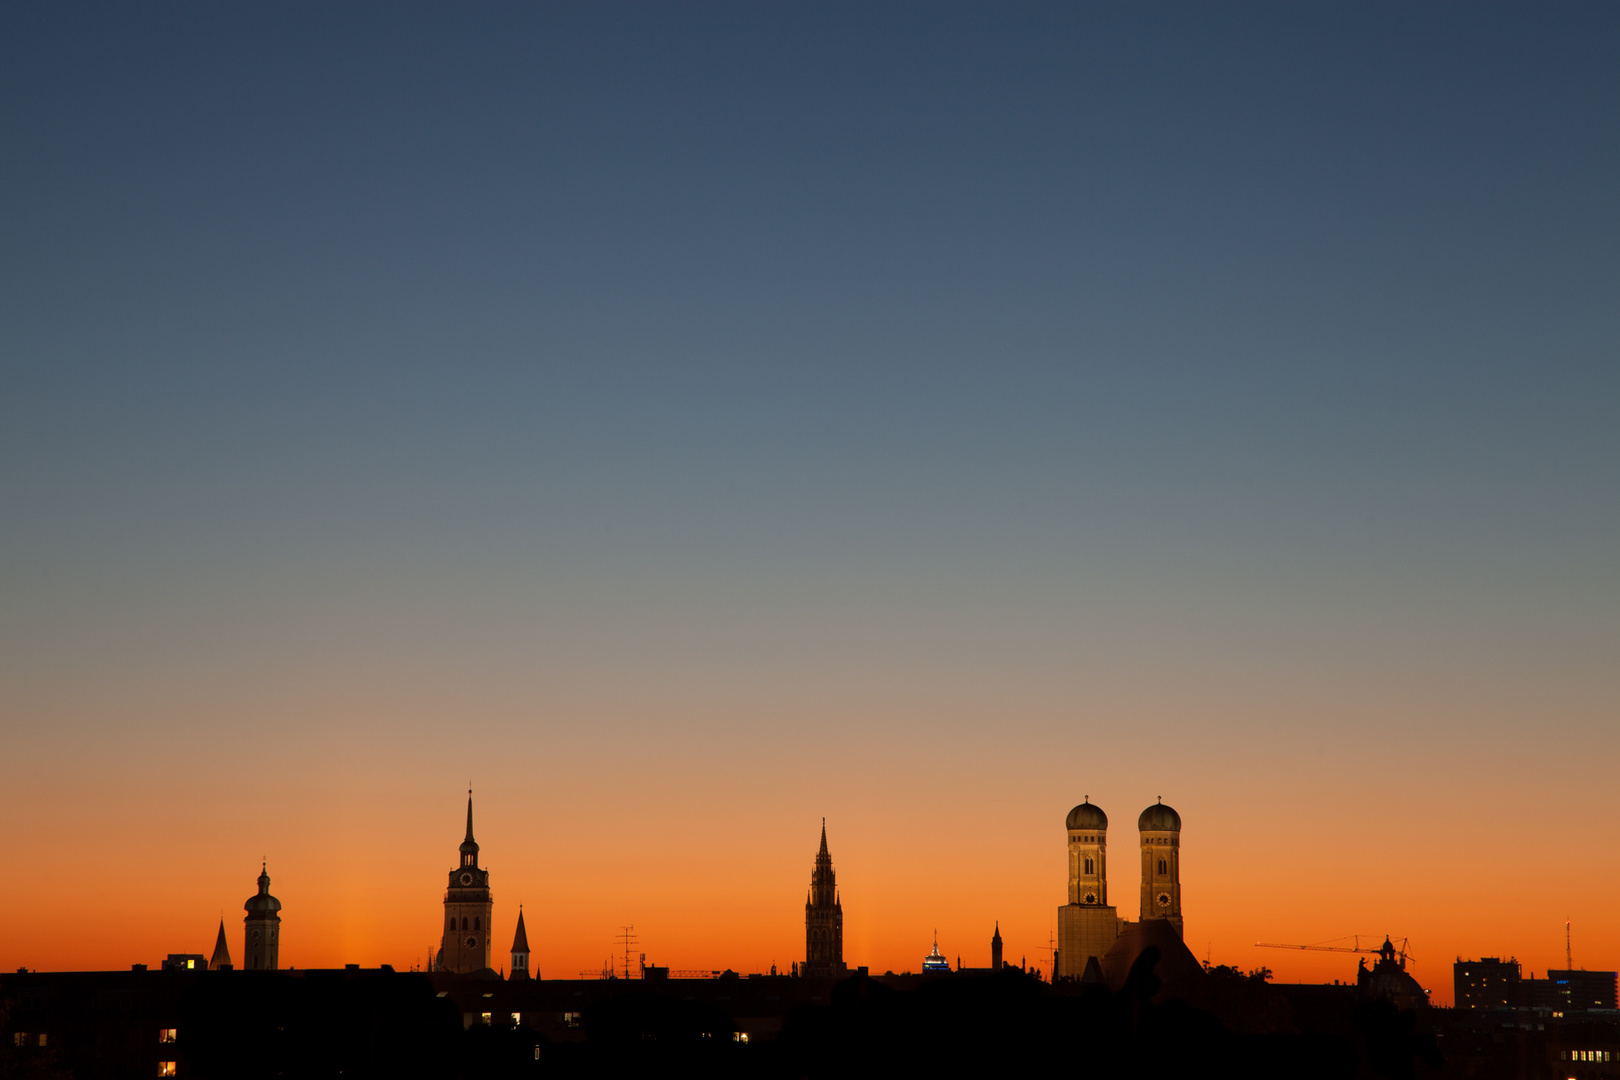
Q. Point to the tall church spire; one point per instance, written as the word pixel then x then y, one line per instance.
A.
pixel 468 911
pixel 469 846
pixel 824 918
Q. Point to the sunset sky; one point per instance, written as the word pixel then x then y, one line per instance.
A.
pixel 687 422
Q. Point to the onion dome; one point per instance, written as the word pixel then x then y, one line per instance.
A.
pixel 263 903
pixel 1087 816
pixel 1159 818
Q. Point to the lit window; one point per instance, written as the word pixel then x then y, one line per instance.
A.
pixel 190 964
pixel 166 1068
pixel 485 1016
pixel 20 1038
pixel 739 1036
pixel 517 1018
pixel 42 1038
pixel 168 1035
pixel 570 1019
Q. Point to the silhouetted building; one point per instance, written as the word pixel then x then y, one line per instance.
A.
pixel 823 920
pixel 1486 983
pixel 262 928
pixel 995 948
pixel 1160 829
pixel 1579 991
pixel 185 962
pixel 1388 980
pixel 221 960
pixel 520 949
pixel 468 907
pixel 1087 924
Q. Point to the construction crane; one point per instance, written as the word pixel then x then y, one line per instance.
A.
pixel 1356 947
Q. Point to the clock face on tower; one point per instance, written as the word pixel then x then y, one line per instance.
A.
pixel 466 879
pixel 472 943
pixel 1164 899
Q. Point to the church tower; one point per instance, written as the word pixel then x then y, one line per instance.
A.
pixel 1087 925
pixel 1160 827
pixel 995 948
pixel 467 910
pixel 520 949
pixel 823 920
pixel 263 928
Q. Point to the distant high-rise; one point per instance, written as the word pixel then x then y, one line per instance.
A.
pixel 1087 924
pixel 468 907
pixel 262 947
pixel 823 920
pixel 1486 983
pixel 1160 828
pixel 520 950
pixel 221 960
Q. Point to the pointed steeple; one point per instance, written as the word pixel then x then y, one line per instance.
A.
pixel 221 960
pixel 520 949
pixel 469 846
pixel 823 881
pixel 520 943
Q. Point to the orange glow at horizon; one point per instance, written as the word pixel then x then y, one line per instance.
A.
pixel 717 879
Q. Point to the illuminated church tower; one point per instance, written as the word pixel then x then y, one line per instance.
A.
pixel 262 928
pixel 1087 925
pixel 823 920
pixel 467 910
pixel 1160 827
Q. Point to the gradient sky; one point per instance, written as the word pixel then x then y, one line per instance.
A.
pixel 684 422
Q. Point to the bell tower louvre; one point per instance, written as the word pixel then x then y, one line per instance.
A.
pixel 823 920
pixel 468 907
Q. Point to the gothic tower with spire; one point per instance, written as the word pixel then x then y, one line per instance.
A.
pixel 467 910
pixel 262 928
pixel 995 948
pixel 823 920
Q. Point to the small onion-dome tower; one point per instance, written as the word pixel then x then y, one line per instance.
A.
pixel 1160 829
pixel 262 947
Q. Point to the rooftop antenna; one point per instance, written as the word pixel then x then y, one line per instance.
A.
pixel 1569 960
pixel 627 939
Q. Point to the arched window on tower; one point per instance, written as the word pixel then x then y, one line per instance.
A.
pixel 452 925
pixel 1162 870
pixel 477 924
pixel 1089 867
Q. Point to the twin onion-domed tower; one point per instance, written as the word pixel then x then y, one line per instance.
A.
pixel 1088 925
